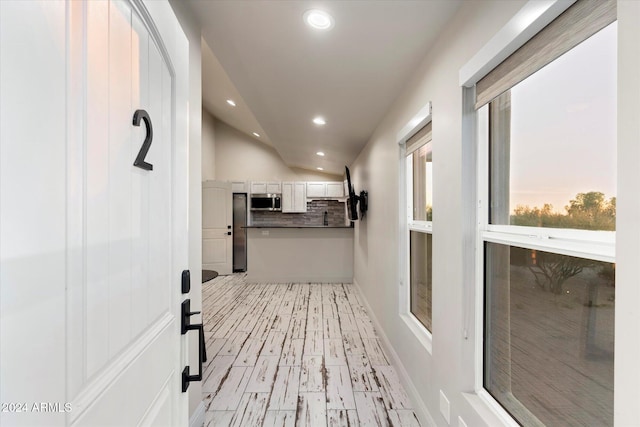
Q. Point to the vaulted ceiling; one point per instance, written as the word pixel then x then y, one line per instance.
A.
pixel 284 73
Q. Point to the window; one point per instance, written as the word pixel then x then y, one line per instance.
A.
pixel 547 235
pixel 419 219
pixel 422 183
pixel 550 336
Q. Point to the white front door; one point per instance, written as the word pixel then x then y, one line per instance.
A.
pixel 92 246
pixel 217 240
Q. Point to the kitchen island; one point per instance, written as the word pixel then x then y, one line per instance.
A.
pixel 302 254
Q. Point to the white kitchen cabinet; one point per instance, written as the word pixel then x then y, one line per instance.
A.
pixel 294 197
pixel 316 189
pixel 300 196
pixel 287 197
pixel 238 187
pixel 263 187
pixel 274 187
pixel 325 189
pixel 258 187
pixel 335 189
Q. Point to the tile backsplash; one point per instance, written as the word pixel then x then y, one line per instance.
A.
pixel 314 215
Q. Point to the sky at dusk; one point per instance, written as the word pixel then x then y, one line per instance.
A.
pixel 563 126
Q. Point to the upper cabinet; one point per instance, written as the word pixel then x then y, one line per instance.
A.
pixel 239 187
pixel 264 187
pixel 316 189
pixel 294 197
pixel 325 189
pixel 274 187
pixel 303 190
pixel 258 187
pixel 335 189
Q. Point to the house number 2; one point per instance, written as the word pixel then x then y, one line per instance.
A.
pixel 139 162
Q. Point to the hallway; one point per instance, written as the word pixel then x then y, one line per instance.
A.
pixel 295 354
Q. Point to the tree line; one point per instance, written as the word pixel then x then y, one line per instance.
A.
pixel 587 211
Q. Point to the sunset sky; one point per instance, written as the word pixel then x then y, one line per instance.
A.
pixel 563 126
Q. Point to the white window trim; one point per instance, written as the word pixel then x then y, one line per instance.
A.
pixel 595 245
pixel 600 237
pixel 534 16
pixel 416 123
pixel 421 226
pixel 588 250
pixel 412 224
pixel 483 232
pixel 482 142
pixel 422 334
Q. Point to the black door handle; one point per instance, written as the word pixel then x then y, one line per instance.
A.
pixel 202 353
pixel 228 233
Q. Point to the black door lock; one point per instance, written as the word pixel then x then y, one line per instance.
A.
pixel 186 281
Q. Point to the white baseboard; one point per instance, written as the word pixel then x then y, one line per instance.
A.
pixel 419 406
pixel 197 418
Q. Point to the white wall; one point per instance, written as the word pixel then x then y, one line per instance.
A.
pixel 239 157
pixel 192 31
pixel 450 366
pixel 208 146
pixel 627 333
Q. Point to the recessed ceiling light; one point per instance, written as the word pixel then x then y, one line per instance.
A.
pixel 230 102
pixel 318 19
pixel 319 121
pixel 320 153
pixel 256 134
pixel 320 169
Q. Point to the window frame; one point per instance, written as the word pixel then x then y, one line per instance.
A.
pixel 588 244
pixel 407 224
pixel 523 26
pixel 423 226
pixel 418 226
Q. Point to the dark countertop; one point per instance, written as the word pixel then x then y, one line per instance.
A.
pixel 298 226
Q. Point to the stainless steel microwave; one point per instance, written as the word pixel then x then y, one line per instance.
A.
pixel 266 202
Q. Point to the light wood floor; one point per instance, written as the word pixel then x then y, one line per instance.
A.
pixel 295 355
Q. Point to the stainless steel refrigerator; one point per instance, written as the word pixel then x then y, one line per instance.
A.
pixel 239 232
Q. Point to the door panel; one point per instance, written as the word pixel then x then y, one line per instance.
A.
pixel 159 413
pixel 138 383
pixel 132 341
pixel 140 185
pixel 96 288
pixel 119 184
pixel 91 247
pixel 159 297
pixel 217 240
pixel 214 250
pixel 33 138
pixel 214 208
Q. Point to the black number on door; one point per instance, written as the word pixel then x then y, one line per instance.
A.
pixel 141 114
